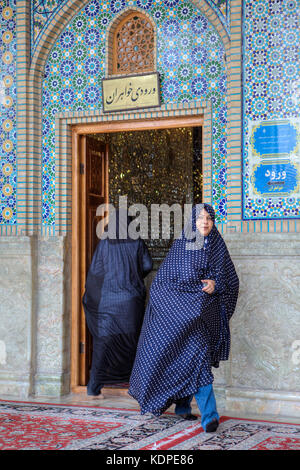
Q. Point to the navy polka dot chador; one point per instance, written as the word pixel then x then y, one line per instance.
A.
pixel 185 330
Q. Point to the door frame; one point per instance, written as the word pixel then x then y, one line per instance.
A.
pixel 78 220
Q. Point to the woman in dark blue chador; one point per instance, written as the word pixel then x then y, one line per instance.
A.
pixel 186 325
pixel 114 302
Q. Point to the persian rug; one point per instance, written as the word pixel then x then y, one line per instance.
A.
pixel 41 426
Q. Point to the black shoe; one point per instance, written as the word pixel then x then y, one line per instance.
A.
pixel 189 417
pixel 212 426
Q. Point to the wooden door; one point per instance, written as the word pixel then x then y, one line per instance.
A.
pixel 94 192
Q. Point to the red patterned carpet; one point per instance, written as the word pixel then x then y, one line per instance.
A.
pixel 36 426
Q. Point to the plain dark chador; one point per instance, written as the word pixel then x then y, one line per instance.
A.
pixel 114 305
pixel 185 330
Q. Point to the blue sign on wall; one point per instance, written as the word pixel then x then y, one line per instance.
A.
pixel 275 179
pixel 274 139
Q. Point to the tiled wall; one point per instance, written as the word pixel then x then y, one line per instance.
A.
pixel 8 100
pixel 271 88
pixel 43 11
pixel 190 60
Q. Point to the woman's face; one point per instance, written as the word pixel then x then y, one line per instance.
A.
pixel 204 223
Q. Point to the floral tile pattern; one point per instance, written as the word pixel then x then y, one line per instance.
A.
pixel 8 166
pixel 270 86
pixel 190 60
pixel 43 10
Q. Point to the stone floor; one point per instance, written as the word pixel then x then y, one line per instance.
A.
pixel 118 398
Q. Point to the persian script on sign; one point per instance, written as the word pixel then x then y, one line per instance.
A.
pixel 132 92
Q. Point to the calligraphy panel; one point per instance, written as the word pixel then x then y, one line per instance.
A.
pixel 126 93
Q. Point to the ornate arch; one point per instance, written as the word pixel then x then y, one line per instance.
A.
pixel 30 79
pixel 112 30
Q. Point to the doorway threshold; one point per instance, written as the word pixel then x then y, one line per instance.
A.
pixel 107 391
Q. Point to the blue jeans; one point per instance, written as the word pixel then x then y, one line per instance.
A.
pixel 206 402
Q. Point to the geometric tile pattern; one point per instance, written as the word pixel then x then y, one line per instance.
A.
pixel 276 18
pixel 222 9
pixel 8 165
pixel 42 11
pixel 271 86
pixel 190 60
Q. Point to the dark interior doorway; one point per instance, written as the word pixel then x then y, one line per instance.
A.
pixel 147 166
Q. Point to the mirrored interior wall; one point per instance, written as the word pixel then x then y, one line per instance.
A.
pixel 159 166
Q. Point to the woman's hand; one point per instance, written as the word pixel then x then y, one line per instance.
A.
pixel 209 287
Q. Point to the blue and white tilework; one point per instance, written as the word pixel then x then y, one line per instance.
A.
pixel 222 9
pixel 8 165
pixel 271 87
pixel 190 60
pixel 43 11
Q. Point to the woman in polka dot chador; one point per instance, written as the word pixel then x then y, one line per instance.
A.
pixel 186 326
